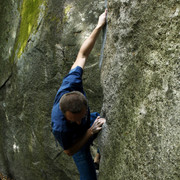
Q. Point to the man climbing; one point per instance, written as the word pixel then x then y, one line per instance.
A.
pixel 73 125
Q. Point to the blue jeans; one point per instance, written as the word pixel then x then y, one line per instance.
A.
pixel 83 158
pixel 85 164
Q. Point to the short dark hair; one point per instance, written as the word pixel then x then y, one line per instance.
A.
pixel 73 101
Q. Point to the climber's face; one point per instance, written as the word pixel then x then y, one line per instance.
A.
pixel 76 117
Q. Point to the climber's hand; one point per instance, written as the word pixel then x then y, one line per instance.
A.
pixel 102 19
pixel 97 125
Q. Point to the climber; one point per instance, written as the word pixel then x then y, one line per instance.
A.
pixel 73 125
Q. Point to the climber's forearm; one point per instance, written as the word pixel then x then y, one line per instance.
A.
pixel 89 43
pixel 79 144
pixel 95 128
pixel 86 48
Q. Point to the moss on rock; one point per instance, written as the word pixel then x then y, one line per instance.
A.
pixel 29 11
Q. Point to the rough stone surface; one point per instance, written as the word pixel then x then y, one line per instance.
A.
pixel 140 79
pixel 139 88
pixel 39 41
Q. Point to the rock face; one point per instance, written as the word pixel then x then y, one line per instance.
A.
pixel 140 79
pixel 39 41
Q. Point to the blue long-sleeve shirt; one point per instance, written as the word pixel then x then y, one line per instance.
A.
pixel 66 132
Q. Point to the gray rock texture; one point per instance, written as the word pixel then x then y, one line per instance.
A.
pixel 140 79
pixel 39 42
pixel 136 90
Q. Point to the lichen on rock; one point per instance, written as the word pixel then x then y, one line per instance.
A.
pixel 30 11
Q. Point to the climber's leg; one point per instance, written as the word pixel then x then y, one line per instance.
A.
pixel 97 160
pixel 85 164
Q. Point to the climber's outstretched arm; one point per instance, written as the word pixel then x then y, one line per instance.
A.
pixel 88 44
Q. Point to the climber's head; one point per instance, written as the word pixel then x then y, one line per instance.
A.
pixel 74 106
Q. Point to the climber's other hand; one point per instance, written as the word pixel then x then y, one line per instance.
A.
pixel 97 125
